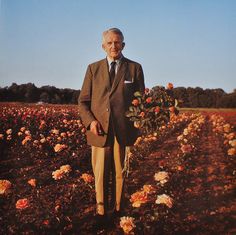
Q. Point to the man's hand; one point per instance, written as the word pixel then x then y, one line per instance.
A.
pixel 96 128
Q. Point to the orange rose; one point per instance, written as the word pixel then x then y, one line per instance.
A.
pixel 180 168
pixel 32 182
pixel 138 198
pixel 59 147
pixel 170 86
pixel 127 224
pixel 142 114
pixel 5 185
pixel 22 204
pixel 148 188
pixel 87 178
pixel 231 151
pixel 135 102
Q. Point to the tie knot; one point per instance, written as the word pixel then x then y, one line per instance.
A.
pixel 113 63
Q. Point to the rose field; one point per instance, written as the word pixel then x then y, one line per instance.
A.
pixel 180 179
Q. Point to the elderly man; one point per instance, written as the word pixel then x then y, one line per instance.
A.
pixel 106 94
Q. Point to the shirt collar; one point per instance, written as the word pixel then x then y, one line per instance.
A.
pixel 117 61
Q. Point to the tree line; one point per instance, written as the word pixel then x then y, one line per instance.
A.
pixel 187 97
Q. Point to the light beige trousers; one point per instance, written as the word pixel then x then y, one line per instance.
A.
pixel 105 160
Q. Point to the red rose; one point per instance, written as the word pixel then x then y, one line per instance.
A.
pixel 157 109
pixel 149 100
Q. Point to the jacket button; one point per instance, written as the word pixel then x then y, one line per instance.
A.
pixel 107 109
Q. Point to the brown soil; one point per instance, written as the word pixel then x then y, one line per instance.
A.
pixel 202 189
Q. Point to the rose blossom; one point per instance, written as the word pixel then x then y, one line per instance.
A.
pixel 9 131
pixel 227 128
pixel 170 86
pixel 19 133
pixel 87 178
pixel 66 168
pixel 22 203
pixel 157 109
pixel 27 132
pixel 32 182
pixel 59 147
pixel 162 177
pixel 55 131
pixel 5 185
pixel 135 102
pixel 127 223
pixel 231 151
pixel 57 174
pixel 138 198
pixel 43 140
pixel 186 148
pixel 1 136
pixel 164 199
pixel 149 100
pixel 180 137
pixel 22 129
pixel 233 143
pixel 148 188
pixel 26 139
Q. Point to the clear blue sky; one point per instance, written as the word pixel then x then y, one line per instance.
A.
pixel 187 42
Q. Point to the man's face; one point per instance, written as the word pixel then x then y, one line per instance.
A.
pixel 113 45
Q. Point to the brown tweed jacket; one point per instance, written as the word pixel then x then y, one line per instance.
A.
pixel 100 101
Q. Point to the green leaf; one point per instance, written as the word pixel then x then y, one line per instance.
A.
pixel 138 94
pixel 131 109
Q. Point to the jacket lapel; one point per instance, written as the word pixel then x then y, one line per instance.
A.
pixel 105 73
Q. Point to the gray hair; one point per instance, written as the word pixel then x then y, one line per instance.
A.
pixel 113 30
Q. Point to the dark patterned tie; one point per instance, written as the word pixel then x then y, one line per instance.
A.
pixel 112 72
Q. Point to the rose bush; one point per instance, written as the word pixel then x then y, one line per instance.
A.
pixel 152 109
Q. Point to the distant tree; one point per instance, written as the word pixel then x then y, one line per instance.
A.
pixel 75 97
pixel 56 99
pixel 44 97
pixel 228 101
pixel 187 97
pixel 31 93
pixel 3 94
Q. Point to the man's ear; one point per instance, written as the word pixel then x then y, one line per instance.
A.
pixel 103 47
pixel 123 45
